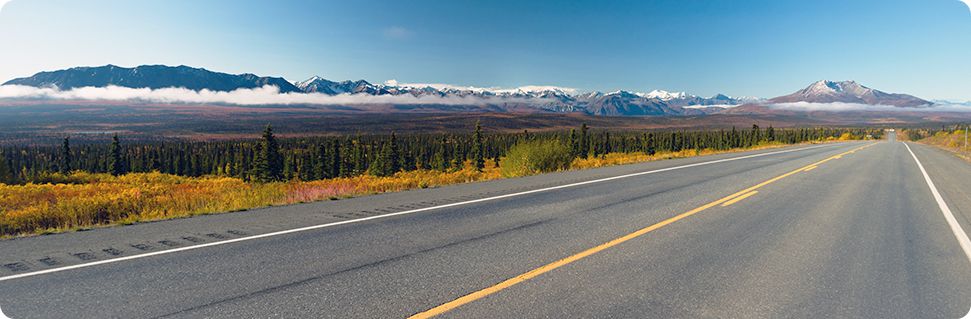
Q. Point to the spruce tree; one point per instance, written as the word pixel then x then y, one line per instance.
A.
pixel 387 162
pixel 446 159
pixel 394 155
pixel 115 165
pixel 65 166
pixel 360 161
pixel 478 152
pixel 289 167
pixel 7 175
pixel 336 161
pixel 584 141
pixel 651 147
pixel 321 162
pixel 268 166
pixel 574 144
pixel 606 144
pixel 306 170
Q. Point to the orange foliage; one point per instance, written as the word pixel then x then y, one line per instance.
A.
pixel 102 199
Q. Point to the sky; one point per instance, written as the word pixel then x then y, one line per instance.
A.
pixel 761 48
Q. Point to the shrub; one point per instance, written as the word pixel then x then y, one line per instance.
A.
pixel 534 157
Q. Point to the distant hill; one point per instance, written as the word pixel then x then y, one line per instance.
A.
pixel 849 92
pixel 151 76
pixel 546 99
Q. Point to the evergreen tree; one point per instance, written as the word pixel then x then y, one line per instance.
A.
pixel 387 163
pixel 321 162
pixel 458 161
pixel 115 165
pixel 651 147
pixel 360 161
pixel 478 152
pixel 574 143
pixel 336 162
pixel 755 138
pixel 606 144
pixel 446 153
pixel 7 175
pixel 65 166
pixel 584 141
pixel 268 166
pixel 306 171
pixel 289 167
pixel 393 155
pixel 438 161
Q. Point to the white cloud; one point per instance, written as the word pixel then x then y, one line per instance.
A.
pixel 443 86
pixel 3 3
pixel 397 33
pixel 845 107
pixel 724 106
pixel 267 95
pixel 967 3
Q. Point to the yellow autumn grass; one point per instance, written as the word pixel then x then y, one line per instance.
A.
pixel 102 199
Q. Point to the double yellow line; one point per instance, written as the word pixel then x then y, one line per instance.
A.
pixel 728 200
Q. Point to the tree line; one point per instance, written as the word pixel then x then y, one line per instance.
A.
pixel 313 158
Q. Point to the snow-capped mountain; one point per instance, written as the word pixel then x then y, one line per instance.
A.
pixel 151 76
pixel 317 84
pixel 664 95
pixel 849 92
pixel 519 99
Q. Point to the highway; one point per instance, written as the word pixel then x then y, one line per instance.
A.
pixel 845 230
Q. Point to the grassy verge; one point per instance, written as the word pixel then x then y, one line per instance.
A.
pixel 97 200
pixel 950 141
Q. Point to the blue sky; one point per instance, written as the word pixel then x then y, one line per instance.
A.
pixel 753 48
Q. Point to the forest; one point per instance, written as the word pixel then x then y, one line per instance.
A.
pixel 316 158
pixel 53 188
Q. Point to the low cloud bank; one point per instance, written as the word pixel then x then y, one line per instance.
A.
pixel 443 86
pixel 848 107
pixel 267 95
pixel 723 106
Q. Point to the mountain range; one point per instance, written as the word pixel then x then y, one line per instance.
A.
pixel 151 76
pixel 533 98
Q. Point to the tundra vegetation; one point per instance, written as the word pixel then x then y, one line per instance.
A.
pixel 953 138
pixel 51 188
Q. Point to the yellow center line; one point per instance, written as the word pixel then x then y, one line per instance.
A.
pixel 737 199
pixel 565 261
pixel 810 168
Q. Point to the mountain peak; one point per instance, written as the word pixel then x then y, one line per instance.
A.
pixel 665 95
pixel 825 91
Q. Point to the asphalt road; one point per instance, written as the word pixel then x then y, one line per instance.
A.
pixel 839 230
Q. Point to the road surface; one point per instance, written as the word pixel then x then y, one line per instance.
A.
pixel 836 230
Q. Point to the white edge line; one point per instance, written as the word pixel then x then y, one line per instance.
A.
pixel 295 230
pixel 962 237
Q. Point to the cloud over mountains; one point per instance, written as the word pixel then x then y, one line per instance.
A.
pixel 266 95
pixel 854 107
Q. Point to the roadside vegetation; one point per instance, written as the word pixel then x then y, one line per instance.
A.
pixel 65 187
pixel 952 138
